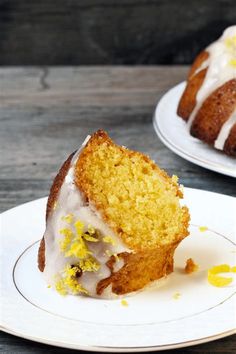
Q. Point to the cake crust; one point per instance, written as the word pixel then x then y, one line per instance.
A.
pixel 217 108
pixel 208 101
pixel 230 144
pixel 55 189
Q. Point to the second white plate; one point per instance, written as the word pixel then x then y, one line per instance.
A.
pixel 173 132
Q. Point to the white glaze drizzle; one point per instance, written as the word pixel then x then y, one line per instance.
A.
pixel 219 72
pixel 224 132
pixel 70 201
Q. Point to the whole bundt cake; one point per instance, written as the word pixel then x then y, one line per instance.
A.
pixel 113 222
pixel 208 103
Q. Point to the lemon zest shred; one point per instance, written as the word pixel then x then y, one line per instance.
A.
pixel 78 249
pixel 109 239
pixel 68 218
pixel 124 303
pixel 108 253
pixel 65 242
pixel 91 230
pixel 89 265
pixel 79 227
pixel 116 257
pixel 217 280
pixel 203 228
pixel 89 238
pixel 232 62
pixel 60 287
pixel 176 296
pixel 233 269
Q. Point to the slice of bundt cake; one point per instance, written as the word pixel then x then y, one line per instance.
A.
pixel 209 99
pixel 114 220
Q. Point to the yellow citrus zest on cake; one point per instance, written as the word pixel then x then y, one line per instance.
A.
pixel 68 218
pixel 176 296
pixel 116 257
pixel 203 228
pixel 70 280
pixel 74 244
pixel 89 238
pixel 124 303
pixel 79 227
pixel 217 280
pixel 55 205
pixel 232 62
pixel 78 249
pixel 108 253
pixel 65 242
pixel 109 239
pixel 68 283
pixel 89 265
pixel 233 269
pixel 91 230
pixel 231 42
pixel 60 287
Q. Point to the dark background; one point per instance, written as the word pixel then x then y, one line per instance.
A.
pixel 78 32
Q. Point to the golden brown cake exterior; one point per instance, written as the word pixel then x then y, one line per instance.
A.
pixel 230 144
pixel 55 189
pixel 214 112
pixel 212 119
pixel 188 100
pixel 100 167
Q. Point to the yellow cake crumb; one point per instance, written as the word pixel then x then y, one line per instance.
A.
pixel 176 296
pixel 217 280
pixel 190 266
pixel 233 269
pixel 203 228
pixel 124 303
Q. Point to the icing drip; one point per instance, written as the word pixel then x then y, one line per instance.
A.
pixel 224 132
pixel 221 68
pixel 74 219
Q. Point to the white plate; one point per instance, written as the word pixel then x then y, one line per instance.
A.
pixel 173 132
pixel 153 319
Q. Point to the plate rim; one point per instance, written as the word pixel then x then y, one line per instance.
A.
pixel 176 149
pixel 114 349
pixel 108 349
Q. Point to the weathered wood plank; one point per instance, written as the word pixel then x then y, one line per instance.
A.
pixel 108 31
pixel 86 86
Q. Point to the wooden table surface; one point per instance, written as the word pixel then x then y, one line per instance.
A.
pixel 45 113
